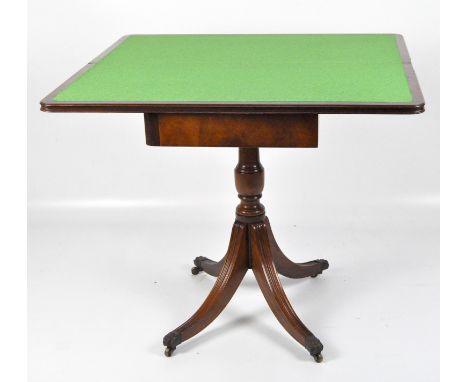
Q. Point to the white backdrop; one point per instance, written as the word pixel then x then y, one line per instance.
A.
pixel 366 199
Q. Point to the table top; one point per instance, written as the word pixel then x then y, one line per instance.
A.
pixel 347 73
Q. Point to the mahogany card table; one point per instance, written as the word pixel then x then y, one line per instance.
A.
pixel 245 91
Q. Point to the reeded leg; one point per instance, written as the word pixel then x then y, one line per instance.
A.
pixel 206 265
pixel 230 276
pixel 289 268
pixel 269 282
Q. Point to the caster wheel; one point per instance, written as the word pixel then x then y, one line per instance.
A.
pixel 168 352
pixel 195 270
pixel 314 276
pixel 318 357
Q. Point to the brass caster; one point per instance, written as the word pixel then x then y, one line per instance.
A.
pixel 196 270
pixel 318 357
pixel 168 352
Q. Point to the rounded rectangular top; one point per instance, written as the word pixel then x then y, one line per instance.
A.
pixel 350 73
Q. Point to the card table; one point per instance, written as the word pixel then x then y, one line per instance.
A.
pixel 245 91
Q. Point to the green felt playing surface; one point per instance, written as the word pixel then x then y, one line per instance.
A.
pixel 246 68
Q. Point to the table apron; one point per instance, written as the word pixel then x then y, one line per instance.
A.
pixel 232 130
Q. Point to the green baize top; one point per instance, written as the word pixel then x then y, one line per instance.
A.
pixel 245 69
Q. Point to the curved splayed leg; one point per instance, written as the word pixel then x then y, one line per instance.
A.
pixel 230 276
pixel 289 268
pixel 269 282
